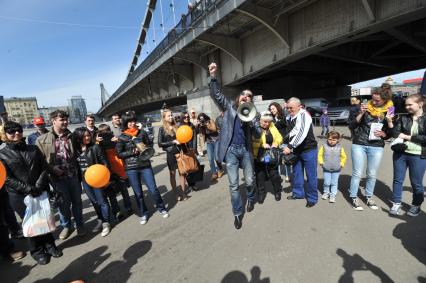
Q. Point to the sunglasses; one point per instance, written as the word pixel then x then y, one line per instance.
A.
pixel 185 117
pixel 13 131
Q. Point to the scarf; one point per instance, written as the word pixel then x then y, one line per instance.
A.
pixel 378 112
pixel 131 132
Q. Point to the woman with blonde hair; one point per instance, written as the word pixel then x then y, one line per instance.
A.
pixel 167 141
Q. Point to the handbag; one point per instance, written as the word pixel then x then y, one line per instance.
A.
pixel 290 159
pixel 399 147
pixel 270 156
pixel 187 161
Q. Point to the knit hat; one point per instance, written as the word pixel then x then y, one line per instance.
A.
pixel 266 116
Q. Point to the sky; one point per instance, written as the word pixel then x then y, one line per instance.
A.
pixel 54 49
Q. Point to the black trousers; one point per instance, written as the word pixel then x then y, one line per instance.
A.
pixel 39 245
pixel 6 244
pixel 265 173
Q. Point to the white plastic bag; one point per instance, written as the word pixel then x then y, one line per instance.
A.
pixel 38 219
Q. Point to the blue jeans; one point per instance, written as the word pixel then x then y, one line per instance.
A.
pixel 147 176
pixel 211 155
pixel 331 182
pixel 70 188
pixel 307 162
pixel 360 154
pixel 99 201
pixel 236 156
pixel 416 168
pixel 324 130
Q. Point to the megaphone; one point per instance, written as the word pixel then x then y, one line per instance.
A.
pixel 145 152
pixel 247 112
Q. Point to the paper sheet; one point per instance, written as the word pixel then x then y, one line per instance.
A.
pixel 375 127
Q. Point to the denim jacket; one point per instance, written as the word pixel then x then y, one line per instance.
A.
pixel 230 112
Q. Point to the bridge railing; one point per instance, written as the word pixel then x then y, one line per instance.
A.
pixel 186 22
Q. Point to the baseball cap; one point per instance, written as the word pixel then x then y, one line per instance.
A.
pixel 38 121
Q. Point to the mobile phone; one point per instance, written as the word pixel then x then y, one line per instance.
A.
pixel 391 110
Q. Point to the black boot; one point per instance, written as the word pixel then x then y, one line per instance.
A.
pixel 238 221
pixel 278 196
pixel 261 197
pixel 250 206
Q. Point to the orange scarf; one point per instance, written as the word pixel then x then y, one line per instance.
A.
pixel 131 132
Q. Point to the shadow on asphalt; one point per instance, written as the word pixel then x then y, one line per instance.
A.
pixel 412 233
pixel 83 268
pixel 239 277
pixel 355 262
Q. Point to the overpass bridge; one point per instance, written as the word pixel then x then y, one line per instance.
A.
pixel 278 48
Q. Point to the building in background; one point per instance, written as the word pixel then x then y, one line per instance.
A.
pixel 77 109
pixel 22 109
pixel 45 112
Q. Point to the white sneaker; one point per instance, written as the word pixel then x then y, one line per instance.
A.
pixel 395 208
pixel 332 199
pixel 356 205
pixel 106 229
pixel 144 219
pixel 371 204
pixel 164 213
pixel 325 196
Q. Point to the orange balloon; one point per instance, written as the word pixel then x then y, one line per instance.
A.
pixel 2 174
pixel 97 176
pixel 184 134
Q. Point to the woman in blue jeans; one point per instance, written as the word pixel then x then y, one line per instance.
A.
pixel 370 128
pixel 208 128
pixel 136 168
pixel 411 154
pixel 89 154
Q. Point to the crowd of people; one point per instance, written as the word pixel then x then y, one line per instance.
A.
pixel 279 142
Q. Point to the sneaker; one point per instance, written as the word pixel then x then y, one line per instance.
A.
pixel 414 211
pixel 81 231
pixel 371 204
pixel 214 177
pixel 98 226
pixel 332 199
pixel 356 205
pixel 66 232
pixel 164 213
pixel 120 216
pixel 220 173
pixel 17 255
pixel 324 196
pixel 144 219
pixel 106 229
pixel 395 208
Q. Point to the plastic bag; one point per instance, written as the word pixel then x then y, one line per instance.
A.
pixel 38 219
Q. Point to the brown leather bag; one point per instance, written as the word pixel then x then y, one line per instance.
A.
pixel 187 162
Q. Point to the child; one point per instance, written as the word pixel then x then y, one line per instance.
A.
pixel 118 176
pixel 332 158
pixel 324 123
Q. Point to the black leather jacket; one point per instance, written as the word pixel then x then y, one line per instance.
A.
pixel 166 141
pixel 404 124
pixel 362 130
pixel 26 168
pixel 126 150
pixel 95 155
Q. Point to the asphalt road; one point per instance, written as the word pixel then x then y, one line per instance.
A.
pixel 279 241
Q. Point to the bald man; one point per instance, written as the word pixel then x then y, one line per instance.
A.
pixel 303 144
